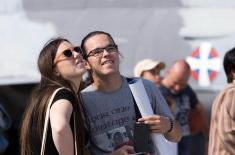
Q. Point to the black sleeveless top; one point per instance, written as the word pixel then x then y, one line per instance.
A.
pixel 35 142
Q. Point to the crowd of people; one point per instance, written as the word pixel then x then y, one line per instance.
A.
pixel 63 116
pixel 181 98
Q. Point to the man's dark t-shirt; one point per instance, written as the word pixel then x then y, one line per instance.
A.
pixel 183 101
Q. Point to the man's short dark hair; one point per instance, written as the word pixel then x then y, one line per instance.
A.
pixel 91 34
pixel 229 64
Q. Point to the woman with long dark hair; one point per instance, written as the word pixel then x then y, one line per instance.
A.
pixel 61 66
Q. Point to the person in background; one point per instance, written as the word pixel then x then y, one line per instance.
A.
pixel 150 70
pixel 5 123
pixel 184 102
pixel 109 102
pixel 60 65
pixel 222 127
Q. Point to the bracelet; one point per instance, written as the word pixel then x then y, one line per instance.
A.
pixel 172 124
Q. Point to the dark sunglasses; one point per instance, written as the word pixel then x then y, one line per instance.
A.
pixel 69 53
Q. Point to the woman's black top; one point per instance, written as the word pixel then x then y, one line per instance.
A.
pixel 35 142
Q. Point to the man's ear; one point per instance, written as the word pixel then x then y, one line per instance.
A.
pixel 87 65
pixel 233 74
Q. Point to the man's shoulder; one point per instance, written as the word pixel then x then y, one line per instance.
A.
pixel 89 88
pixel 151 88
pixel 148 83
pixel 163 87
pixel 228 91
pixel 164 90
pixel 229 88
pixel 188 89
pixel 145 82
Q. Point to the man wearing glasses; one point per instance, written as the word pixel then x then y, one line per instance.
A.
pixel 109 102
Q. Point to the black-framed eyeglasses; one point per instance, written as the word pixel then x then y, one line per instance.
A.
pixel 99 51
pixel 69 53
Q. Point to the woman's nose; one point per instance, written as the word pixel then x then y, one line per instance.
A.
pixel 76 54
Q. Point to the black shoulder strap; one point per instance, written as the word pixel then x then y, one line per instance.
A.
pixel 137 111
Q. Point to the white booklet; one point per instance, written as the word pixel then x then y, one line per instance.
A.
pixel 161 144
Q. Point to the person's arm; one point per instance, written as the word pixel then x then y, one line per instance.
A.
pixel 175 134
pixel 60 114
pixel 226 122
pixel 198 118
pixel 204 119
pixel 161 124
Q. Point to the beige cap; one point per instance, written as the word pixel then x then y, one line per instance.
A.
pixel 145 65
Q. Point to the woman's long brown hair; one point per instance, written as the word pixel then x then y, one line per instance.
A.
pixel 39 98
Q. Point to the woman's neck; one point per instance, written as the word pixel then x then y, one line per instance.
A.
pixel 76 84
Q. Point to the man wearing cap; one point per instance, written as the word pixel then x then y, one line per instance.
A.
pixel 150 70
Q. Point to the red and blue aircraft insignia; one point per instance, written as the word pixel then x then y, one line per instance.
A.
pixel 205 63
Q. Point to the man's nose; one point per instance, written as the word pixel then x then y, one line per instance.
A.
pixel 105 52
